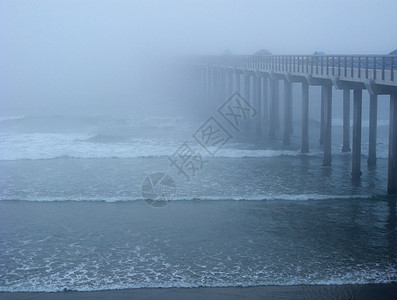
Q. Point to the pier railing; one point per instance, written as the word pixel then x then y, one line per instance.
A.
pixel 354 67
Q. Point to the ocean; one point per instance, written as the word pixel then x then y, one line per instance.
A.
pixel 73 215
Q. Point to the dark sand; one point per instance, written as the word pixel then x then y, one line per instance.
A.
pixel 353 291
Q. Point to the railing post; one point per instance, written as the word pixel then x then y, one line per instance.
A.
pixel 316 59
pixel 375 68
pixel 312 64
pixel 293 62
pixel 307 64
pixel 322 70
pixel 298 63
pixel 383 68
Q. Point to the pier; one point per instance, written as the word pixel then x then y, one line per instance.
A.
pixel 216 77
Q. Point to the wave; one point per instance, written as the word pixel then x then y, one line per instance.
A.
pixel 18 117
pixel 126 152
pixel 369 275
pixel 41 146
pixel 150 153
pixel 38 146
pixel 103 138
pixel 275 197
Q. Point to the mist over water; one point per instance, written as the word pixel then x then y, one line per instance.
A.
pixel 95 97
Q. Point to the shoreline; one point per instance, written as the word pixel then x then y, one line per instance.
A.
pixel 344 291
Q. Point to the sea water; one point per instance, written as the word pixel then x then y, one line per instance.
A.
pixel 72 214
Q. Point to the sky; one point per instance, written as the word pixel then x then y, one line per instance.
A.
pixel 96 54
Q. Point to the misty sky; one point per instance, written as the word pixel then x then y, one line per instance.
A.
pixel 81 54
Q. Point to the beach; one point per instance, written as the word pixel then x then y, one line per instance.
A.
pixel 354 291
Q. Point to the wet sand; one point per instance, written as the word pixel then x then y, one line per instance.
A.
pixel 353 291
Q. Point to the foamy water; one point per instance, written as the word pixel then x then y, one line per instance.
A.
pixel 106 138
pixel 96 246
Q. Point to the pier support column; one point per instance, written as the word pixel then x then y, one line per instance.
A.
pixel 247 88
pixel 373 116
pixel 208 84
pixel 322 116
pixel 203 84
pixel 229 83
pixel 222 86
pixel 287 112
pixel 247 96
pixel 305 117
pixel 265 103
pixel 215 86
pixel 273 109
pixel 357 114
pixel 225 85
pixel 258 103
pixel 346 121
pixel 392 162
pixel 237 82
pixel 327 125
pixel 230 91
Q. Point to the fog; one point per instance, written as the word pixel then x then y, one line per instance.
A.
pixel 122 175
pixel 108 56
